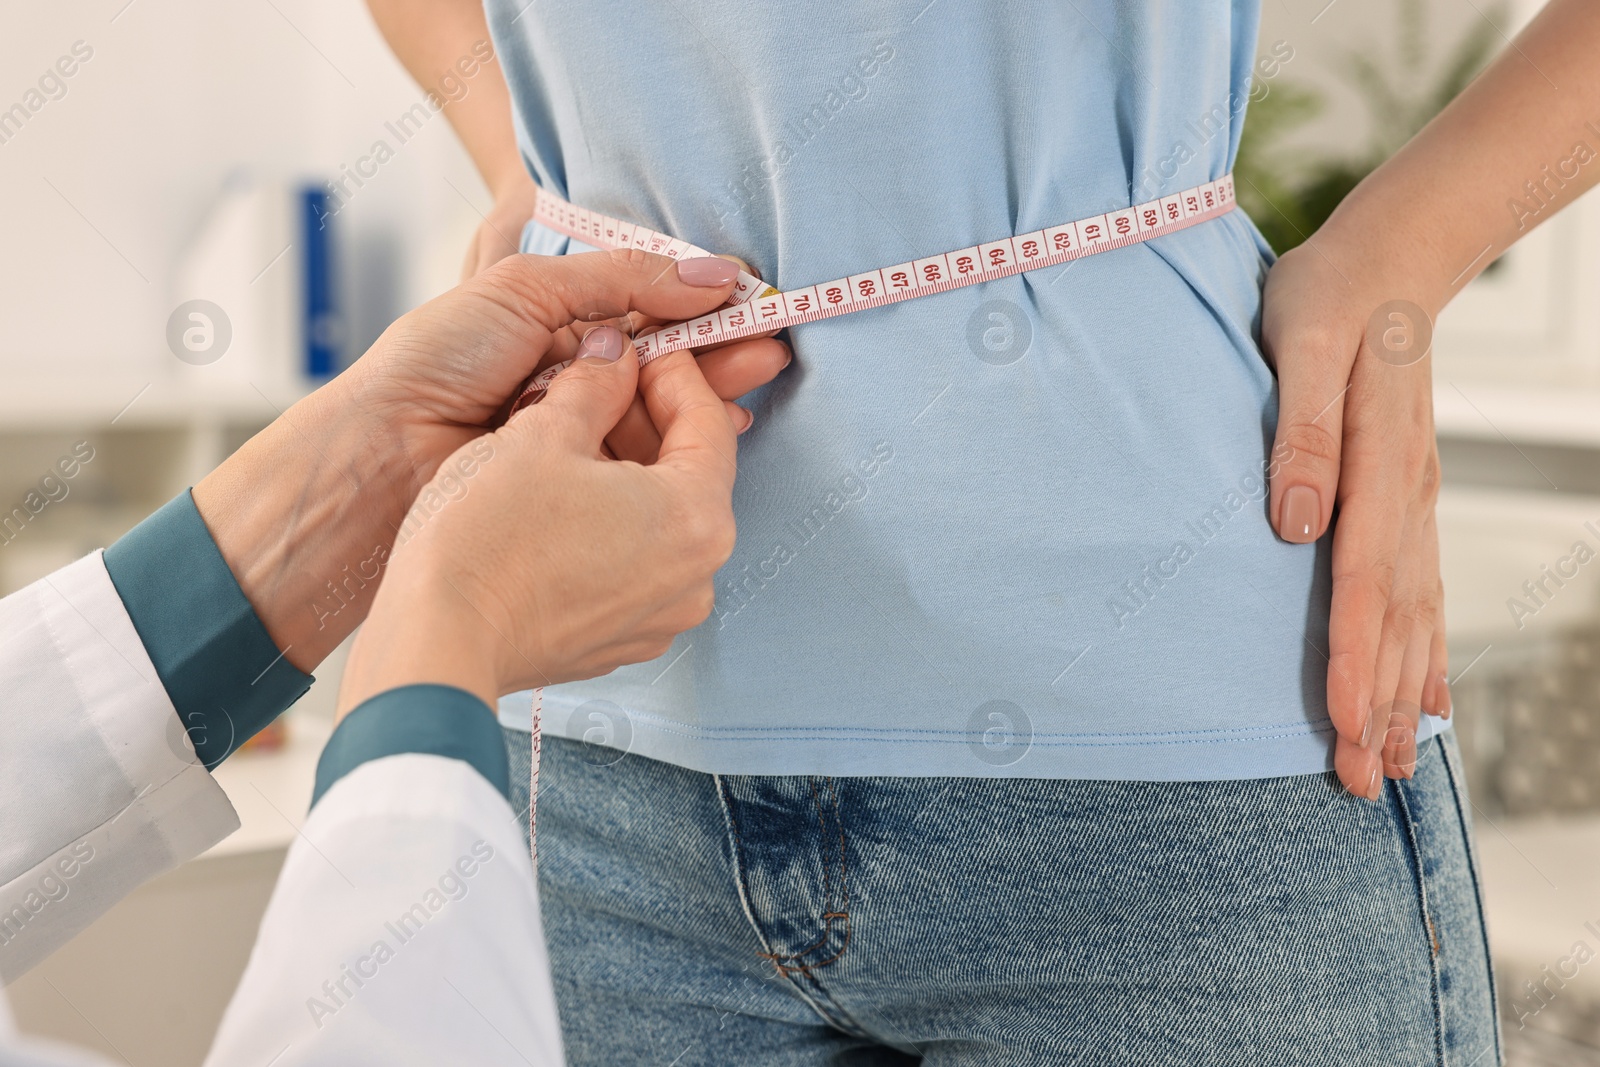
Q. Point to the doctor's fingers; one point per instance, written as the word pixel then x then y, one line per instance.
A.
pixel 556 292
pixel 565 342
pixel 652 327
pixel 732 371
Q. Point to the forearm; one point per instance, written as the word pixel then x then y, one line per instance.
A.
pixel 456 648
pixel 305 514
pixel 1517 145
pixel 433 38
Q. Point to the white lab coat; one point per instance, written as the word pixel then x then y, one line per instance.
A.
pixel 404 928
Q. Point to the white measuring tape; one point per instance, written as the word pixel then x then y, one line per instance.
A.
pixel 756 307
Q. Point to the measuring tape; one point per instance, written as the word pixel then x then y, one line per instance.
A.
pixel 756 307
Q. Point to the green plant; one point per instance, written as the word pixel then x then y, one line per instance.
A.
pixel 1288 191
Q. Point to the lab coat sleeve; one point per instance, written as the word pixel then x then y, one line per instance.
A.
pixel 404 929
pixel 126 675
pixel 101 789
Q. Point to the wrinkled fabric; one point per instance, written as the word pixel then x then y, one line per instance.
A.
pixel 1017 529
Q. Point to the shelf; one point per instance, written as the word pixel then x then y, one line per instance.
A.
pixel 1473 410
pixel 272 790
pixel 1548 415
pixel 33 404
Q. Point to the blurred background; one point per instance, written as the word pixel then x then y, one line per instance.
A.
pixel 177 269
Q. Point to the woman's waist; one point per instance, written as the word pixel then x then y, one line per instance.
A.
pixel 1215 253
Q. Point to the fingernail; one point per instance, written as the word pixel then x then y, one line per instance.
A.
pixel 708 272
pixel 602 344
pixel 1300 515
pixel 1407 760
pixel 749 419
pixel 1445 705
pixel 1400 743
pixel 1370 728
pixel 1375 783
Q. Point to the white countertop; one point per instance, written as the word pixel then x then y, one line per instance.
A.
pixel 272 790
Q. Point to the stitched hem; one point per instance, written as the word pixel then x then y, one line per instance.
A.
pixel 1458 792
pixel 1397 790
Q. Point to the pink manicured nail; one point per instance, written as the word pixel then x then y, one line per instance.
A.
pixel 1445 704
pixel 1300 515
pixel 1401 744
pixel 1375 783
pixel 603 344
pixel 708 272
pixel 1369 731
pixel 749 419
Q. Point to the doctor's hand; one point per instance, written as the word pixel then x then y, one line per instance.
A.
pixel 551 561
pixel 733 369
pixel 307 512
pixel 445 373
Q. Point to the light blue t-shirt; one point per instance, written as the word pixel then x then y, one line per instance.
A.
pixel 1015 529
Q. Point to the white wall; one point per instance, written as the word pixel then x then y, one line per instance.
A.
pixel 177 94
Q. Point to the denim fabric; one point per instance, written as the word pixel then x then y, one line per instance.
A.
pixel 705 919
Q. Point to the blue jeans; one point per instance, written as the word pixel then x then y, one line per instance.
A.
pixel 798 921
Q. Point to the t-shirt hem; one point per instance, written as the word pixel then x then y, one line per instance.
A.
pixel 1256 752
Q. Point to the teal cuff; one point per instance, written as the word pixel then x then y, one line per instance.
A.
pixel 220 669
pixel 436 720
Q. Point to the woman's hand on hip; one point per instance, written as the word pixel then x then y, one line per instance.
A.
pixel 1355 430
pixel 499 235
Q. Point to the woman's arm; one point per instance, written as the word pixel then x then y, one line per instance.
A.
pixel 1346 319
pixel 434 38
pixel 437 38
pixel 1515 147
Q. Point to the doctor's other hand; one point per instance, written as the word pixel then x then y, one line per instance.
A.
pixel 306 511
pixel 445 373
pixel 535 558
pixel 733 369
pixel 1355 428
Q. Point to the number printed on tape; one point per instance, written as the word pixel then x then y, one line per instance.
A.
pixel 756 307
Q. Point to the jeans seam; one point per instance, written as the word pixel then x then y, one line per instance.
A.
pixel 828 917
pixel 775 957
pixel 740 862
pixel 1477 892
pixel 812 993
pixel 1398 791
pixel 837 1014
